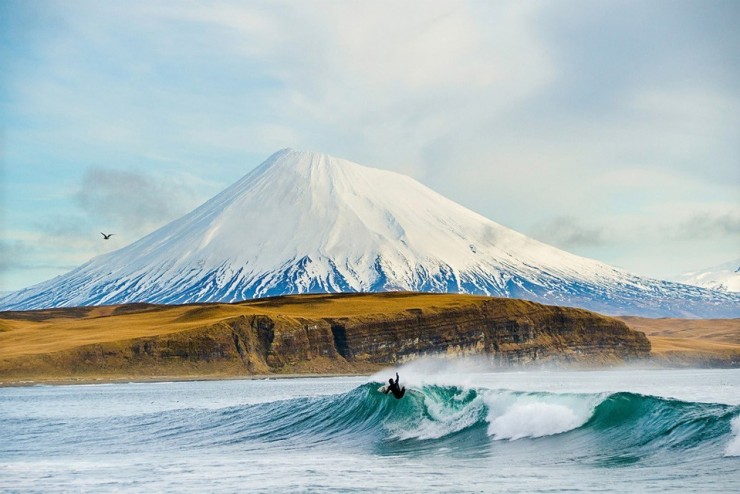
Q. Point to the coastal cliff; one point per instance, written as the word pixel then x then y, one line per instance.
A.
pixel 303 334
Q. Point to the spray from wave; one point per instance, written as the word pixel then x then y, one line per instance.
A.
pixel 733 448
pixel 515 416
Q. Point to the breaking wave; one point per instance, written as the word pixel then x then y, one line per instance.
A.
pixel 467 420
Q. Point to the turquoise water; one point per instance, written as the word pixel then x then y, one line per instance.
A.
pixel 457 430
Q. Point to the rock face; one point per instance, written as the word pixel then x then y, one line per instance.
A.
pixel 512 333
pixel 268 339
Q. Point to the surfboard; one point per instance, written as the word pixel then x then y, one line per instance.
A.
pixel 383 389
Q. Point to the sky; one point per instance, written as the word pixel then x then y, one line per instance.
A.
pixel 608 129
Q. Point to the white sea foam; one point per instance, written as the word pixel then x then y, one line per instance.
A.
pixel 444 419
pixel 533 420
pixel 733 449
pixel 515 416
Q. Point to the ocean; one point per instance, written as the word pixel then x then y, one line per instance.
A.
pixel 460 428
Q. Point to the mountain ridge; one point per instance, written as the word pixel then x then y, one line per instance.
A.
pixel 305 222
pixel 724 277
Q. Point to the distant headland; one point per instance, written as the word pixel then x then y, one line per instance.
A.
pixel 301 334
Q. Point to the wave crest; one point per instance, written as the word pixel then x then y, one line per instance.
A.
pixel 733 448
pixel 533 420
pixel 433 417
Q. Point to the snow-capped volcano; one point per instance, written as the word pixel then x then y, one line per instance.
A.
pixel 308 222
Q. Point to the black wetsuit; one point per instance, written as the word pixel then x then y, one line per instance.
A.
pixel 393 387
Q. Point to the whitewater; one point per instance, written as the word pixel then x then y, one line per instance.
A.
pixel 459 429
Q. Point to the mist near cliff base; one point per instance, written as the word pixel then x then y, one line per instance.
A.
pixel 475 371
pixel 444 369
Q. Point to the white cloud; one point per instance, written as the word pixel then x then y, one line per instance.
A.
pixel 527 112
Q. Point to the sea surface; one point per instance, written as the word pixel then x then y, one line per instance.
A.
pixel 458 429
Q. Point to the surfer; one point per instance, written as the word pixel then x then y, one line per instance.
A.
pixel 393 387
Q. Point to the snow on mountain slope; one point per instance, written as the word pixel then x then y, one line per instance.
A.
pixel 308 222
pixel 725 277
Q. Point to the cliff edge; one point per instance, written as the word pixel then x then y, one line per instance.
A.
pixel 337 333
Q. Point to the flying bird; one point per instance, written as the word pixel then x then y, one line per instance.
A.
pixel 106 237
